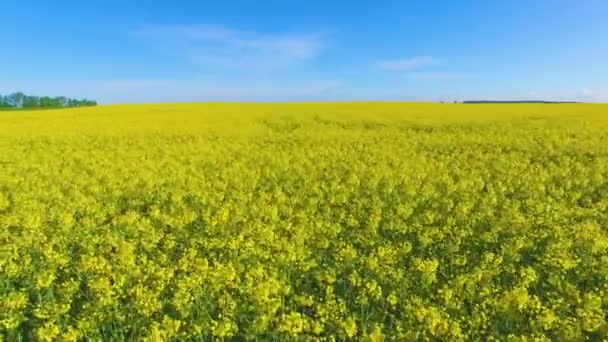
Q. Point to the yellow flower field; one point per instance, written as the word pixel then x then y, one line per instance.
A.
pixel 305 221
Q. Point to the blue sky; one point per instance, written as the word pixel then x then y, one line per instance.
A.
pixel 291 50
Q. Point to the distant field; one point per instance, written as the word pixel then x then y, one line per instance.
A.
pixel 305 221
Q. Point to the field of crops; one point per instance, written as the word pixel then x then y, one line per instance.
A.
pixel 351 221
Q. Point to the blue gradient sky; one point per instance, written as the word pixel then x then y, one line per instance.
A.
pixel 290 50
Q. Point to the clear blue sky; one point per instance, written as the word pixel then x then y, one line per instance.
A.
pixel 290 50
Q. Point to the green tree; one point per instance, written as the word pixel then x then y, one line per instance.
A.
pixel 4 102
pixel 20 100
pixel 62 101
pixel 15 100
pixel 31 102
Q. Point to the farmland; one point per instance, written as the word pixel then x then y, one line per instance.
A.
pixel 305 221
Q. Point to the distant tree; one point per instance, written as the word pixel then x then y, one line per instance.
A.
pixel 31 102
pixel 15 100
pixel 47 102
pixel 20 100
pixel 4 102
pixel 62 101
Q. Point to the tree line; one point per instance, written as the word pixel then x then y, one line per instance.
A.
pixel 21 100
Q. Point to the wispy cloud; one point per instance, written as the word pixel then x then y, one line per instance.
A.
pixel 581 95
pixel 592 95
pixel 406 64
pixel 226 47
pixel 434 75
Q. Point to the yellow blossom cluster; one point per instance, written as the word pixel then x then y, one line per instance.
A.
pixel 305 221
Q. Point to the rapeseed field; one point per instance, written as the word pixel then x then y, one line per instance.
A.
pixel 305 221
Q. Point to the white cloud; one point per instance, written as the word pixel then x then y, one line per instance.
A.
pixel 434 75
pixel 592 95
pixel 225 47
pixel 567 95
pixel 407 63
pixel 581 95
